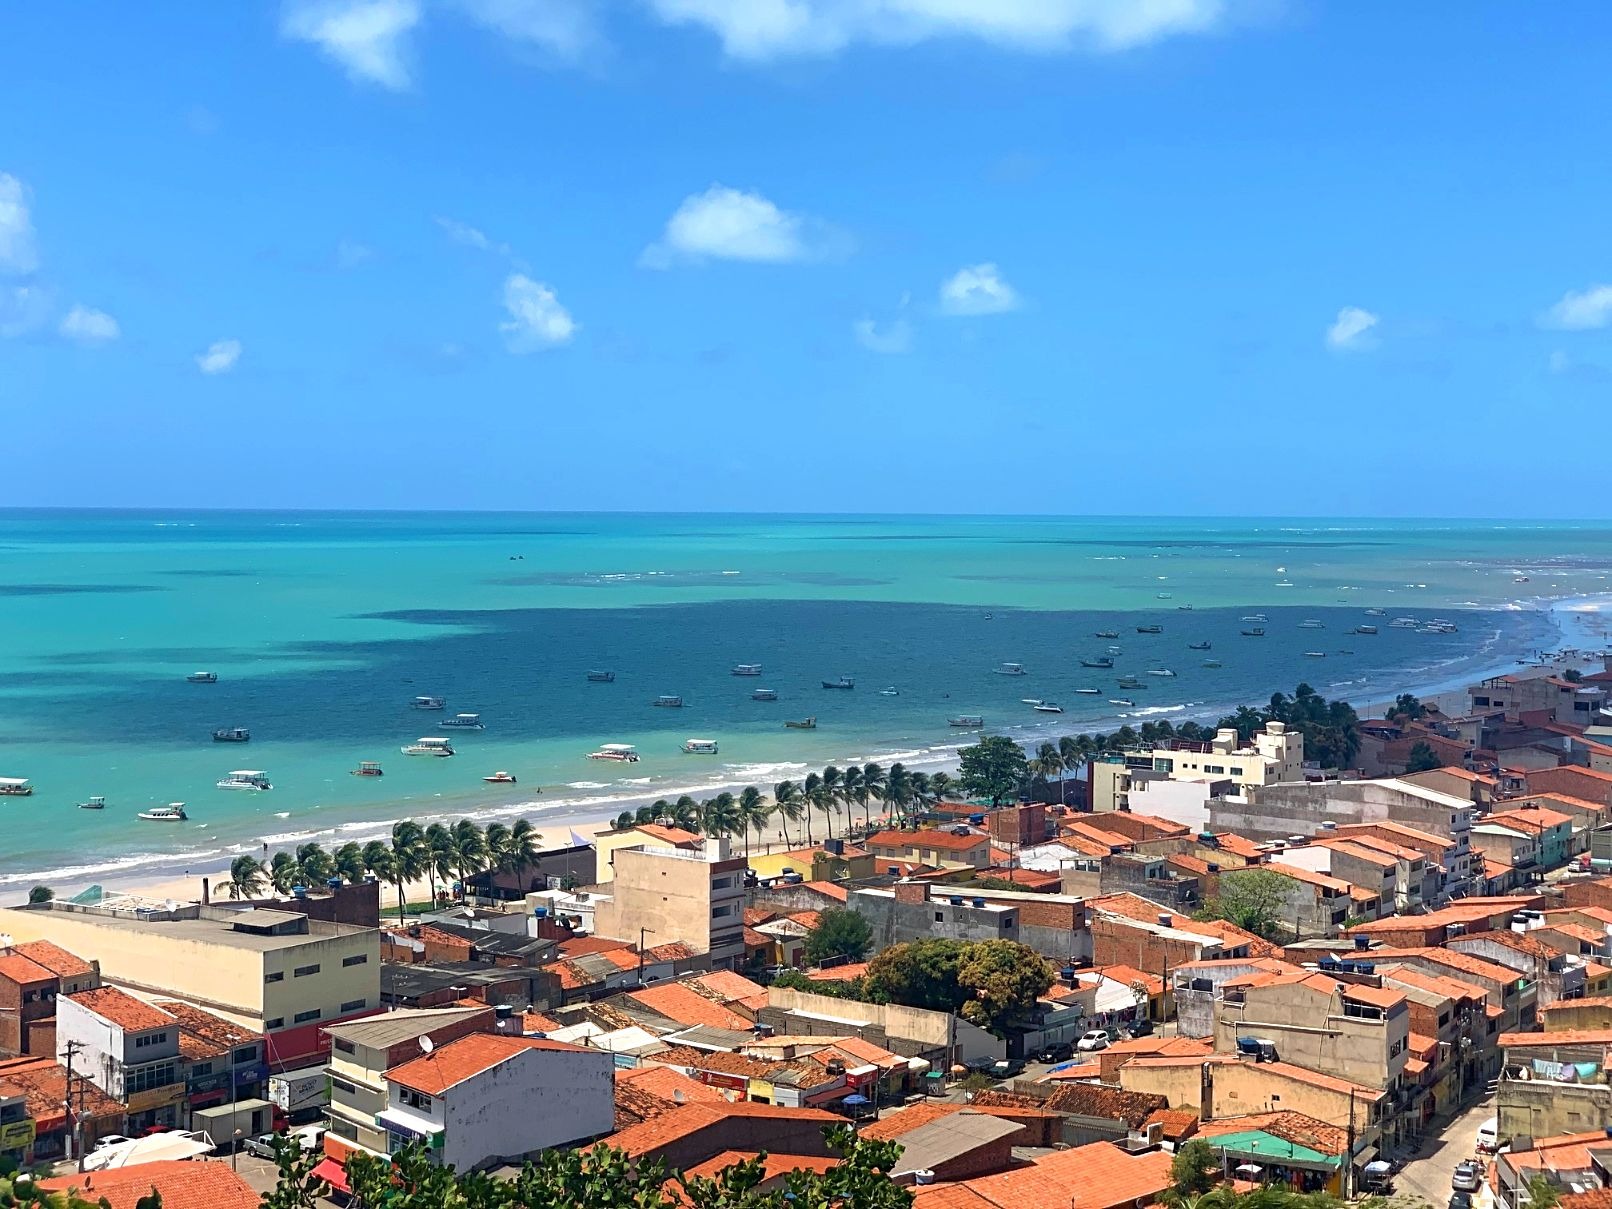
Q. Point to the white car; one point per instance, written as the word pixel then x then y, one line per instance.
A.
pixel 1489 1136
pixel 111 1139
pixel 1093 1041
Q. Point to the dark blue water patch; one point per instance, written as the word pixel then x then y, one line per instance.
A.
pixel 683 579
pixel 201 656
pixel 75 589
pixel 1176 544
pixel 525 671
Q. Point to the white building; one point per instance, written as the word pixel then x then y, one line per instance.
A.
pixel 127 1048
pixel 1222 765
pixel 488 1098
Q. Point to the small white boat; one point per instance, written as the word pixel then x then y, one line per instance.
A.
pixel 464 722
pixel 1403 623
pixel 1183 608
pixel 15 787
pixel 966 721
pixel 700 747
pixel 1162 595
pixel 890 691
pixel 500 778
pixel 844 682
pixel 1150 629
pixel 173 812
pixel 1212 663
pixel 1100 661
pixel 430 703
pixel 232 734
pixel 601 677
pixel 802 724
pixel 747 669
pixel 96 803
pixel 1198 646
pixel 1090 692
pixel 1375 613
pixel 668 701
pixel 1256 617
pixel 429 746
pixel 1315 654
pixel 1364 629
pixel 202 678
pixel 1312 623
pixel 1284 583
pixel 1120 701
pixel 1160 671
pixel 1010 669
pixel 1047 707
pixel 1029 700
pixel 764 694
pixel 624 753
pixel 246 778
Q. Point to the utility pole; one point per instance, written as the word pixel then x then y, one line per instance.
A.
pixel 1346 1176
pixel 75 1121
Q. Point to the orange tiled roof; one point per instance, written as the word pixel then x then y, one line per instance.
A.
pixel 14 967
pixel 453 1063
pixel 1292 1126
pixel 203 1035
pixel 675 836
pixel 54 958
pixel 903 1121
pixel 184 1184
pixel 122 1009
pixel 1176 1124
pixel 42 1081
pixel 832 889
pixel 1535 819
pixel 1238 845
pixel 845 973
pixel 693 1118
pixel 937 840
pixel 1097 1176
pixel 685 1005
pixel 536 1022
pixel 772 1165
pixel 670 1085
pixel 580 946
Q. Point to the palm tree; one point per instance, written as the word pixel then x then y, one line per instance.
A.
pixel 832 779
pixel 721 815
pixel 753 812
pixel 897 790
pixel 921 789
pixel 810 790
pixel 283 872
pixel 520 852
pixel 851 793
pixel 247 877
pixel 873 789
pixel 470 850
pixel 623 820
pixel 646 814
pixel 686 813
pixel 1048 765
pixel 347 862
pixel 939 786
pixel 787 805
pixel 313 865
pixel 380 860
pixel 496 840
pixel 411 857
pixel 659 809
pixel 441 856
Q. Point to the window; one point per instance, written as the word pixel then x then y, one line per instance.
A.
pixel 721 883
pixel 357 959
pixel 414 1099
pixel 1396 1049
pixel 1443 1019
pixel 200 1068
pixel 720 912
pixel 353 1005
pixel 246 1054
pixel 304 1017
pixel 271 1025
pixel 939 917
pixel 144 1078
pixel 277 976
pixel 344 1047
pixel 341 1085
pixel 150 1040
pixel 304 971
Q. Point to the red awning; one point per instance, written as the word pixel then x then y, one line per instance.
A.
pixel 333 1173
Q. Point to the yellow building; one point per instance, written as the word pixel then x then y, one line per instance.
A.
pixel 816 864
pixel 606 843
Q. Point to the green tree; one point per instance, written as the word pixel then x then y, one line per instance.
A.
pixel 1406 705
pixel 1542 1194
pixel 754 814
pixel 1422 758
pixel 1330 732
pixel 623 820
pixel 1253 899
pixel 247 877
pixel 411 857
pixel 851 794
pixel 1573 676
pixel 41 894
pixel 470 851
pixel 788 805
pixel 347 863
pixel 283 872
pixel 898 792
pixel 840 932
pixel 520 850
pixel 1048 764
pixel 875 786
pixel 918 973
pixel 441 856
pixel 1002 979
pixel 314 867
pixel 823 792
pixel 720 815
pixel 992 768
pixel 1193 1171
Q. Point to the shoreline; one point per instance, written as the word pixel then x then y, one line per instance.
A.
pixel 1581 625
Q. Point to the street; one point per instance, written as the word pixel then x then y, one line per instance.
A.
pixel 1427 1176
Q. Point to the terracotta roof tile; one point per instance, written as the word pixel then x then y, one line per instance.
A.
pixel 54 958
pixel 203 1035
pixel 832 889
pixel 1291 1126
pixel 693 1118
pixel 933 839
pixel 772 1165
pixel 578 946
pixel 451 1064
pixel 1176 1124
pixel 1098 1176
pixel 685 1005
pixel 1573 1036
pixel 536 1022
pixel 184 1184
pixel 672 1086
pixel 42 1081
pixel 675 836
pixel 16 968
pixel 845 973
pixel 122 1009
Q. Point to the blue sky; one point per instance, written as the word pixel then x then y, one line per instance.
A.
pixel 1075 256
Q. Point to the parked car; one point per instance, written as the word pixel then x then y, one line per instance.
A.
pixel 111 1139
pixel 1093 1041
pixel 262 1146
pixel 1489 1136
pixel 1468 1176
pixel 1142 1028
pixel 310 1137
pixel 1006 1068
pixel 1057 1051
pixel 979 1066
pixel 1460 1200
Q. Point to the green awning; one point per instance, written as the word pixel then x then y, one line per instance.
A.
pixel 1256 1143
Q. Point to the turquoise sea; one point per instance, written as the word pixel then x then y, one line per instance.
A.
pixel 322 627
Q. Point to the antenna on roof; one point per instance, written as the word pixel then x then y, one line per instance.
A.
pixel 427 1044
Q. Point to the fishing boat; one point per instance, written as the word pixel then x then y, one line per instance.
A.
pixel 747 669
pixel 1364 629
pixel 15 787
pixel 802 724
pixel 623 753
pixel 1183 608
pixel 1161 595
pixel 1047 707
pixel 1315 654
pixel 600 677
pixel 246 778
pixel 1160 671
pixel 1212 663
pixel 232 734
pixel 1100 661
pixel 367 768
pixel 463 722
pixel 966 721
pixel 844 682
pixel 1129 682
pixel 668 701
pixel 1009 669
pixel 1198 646
pixel 1256 617
pixel 764 694
pixel 1376 613
pixel 1256 632
pixel 202 678
pixel 890 691
pixel 429 746
pixel 173 812
pixel 1120 701
pixel 1312 623
pixel 1090 692
pixel 1150 629
pixel 95 803
pixel 1106 634
pixel 1284 583
pixel 1029 700
pixel 430 703
pixel 1403 623
pixel 699 747
pixel 500 778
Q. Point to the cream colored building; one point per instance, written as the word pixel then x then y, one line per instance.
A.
pixel 1275 755
pixel 274 972
pixel 655 835
pixel 671 894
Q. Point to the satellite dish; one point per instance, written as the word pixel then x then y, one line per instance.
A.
pixel 427 1044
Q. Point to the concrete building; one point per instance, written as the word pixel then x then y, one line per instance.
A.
pixel 1197 987
pixel 224 1063
pixel 643 835
pixel 695 896
pixel 1547 1086
pixel 918 910
pixel 941 1038
pixel 956 848
pixel 488 1099
pixel 127 1048
pixel 1538 695
pixel 1393 875
pixel 277 973
pixel 1275 755
pixel 32 976
pixel 1448 858
pixel 1277 812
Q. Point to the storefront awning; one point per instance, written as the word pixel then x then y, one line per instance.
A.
pixel 333 1173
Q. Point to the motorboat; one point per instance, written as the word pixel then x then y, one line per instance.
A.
pixel 844 682
pixel 1047 707
pixel 1160 671
pixel 1364 629
pixel 15 787
pixel 96 803
pixel 500 778
pixel 246 778
pixel 668 701
pixel 202 678
pixel 1161 596
pixel 966 721
pixel 1198 646
pixel 700 747
pixel 1113 650
pixel 1315 654
pixel 1312 623
pixel 1090 692
pixel 1376 613
pixel 747 669
pixel 1183 608
pixel 890 691
pixel 1256 632
pixel 1284 583
pixel 368 768
pixel 1029 700
pixel 1129 682
pixel 1150 629
pixel 1260 617
pixel 1009 669
pixel 1100 661
pixel 464 722
pixel 429 746
pixel 624 753
pixel 802 724
pixel 1212 663
pixel 1120 701
pixel 232 734
pixel 1403 623
pixel 430 703
pixel 764 694
pixel 1106 634
pixel 173 812
pixel 601 677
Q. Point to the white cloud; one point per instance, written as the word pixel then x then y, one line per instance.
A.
pixel 370 38
pixel 977 289
pixel 1581 310
pixel 350 254
pixel 470 237
pixel 764 29
pixel 729 224
pixel 1351 330
pixel 893 338
pixel 561 27
pixel 17 251
pixel 89 326
pixel 536 318
pixel 220 357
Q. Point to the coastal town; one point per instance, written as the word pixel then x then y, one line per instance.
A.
pixel 1300 950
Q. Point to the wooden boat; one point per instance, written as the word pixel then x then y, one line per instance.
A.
pixel 803 724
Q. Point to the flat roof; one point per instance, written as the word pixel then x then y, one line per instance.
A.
pixel 405 1024
pixel 215 928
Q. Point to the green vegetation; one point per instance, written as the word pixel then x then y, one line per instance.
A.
pixel 41 894
pixel 1252 899
pixel 1542 1194
pixel 1422 758
pixel 1193 1171
pixel 1328 727
pixel 1408 707
pixel 993 768
pixel 1572 675
pixel 840 932
pixel 992 983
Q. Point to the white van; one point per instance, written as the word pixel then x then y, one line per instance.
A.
pixel 1489 1136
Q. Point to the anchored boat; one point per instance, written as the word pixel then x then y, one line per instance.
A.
pixel 173 812
pixel 429 746
pixel 232 734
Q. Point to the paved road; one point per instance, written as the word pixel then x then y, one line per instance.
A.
pixel 1428 1175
